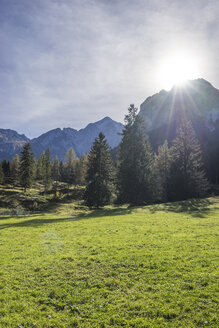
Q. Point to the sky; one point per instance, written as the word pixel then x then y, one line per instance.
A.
pixel 66 63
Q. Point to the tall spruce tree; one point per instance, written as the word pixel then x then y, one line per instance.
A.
pixel 135 169
pixel 187 178
pixel 99 179
pixel 162 165
pixel 26 167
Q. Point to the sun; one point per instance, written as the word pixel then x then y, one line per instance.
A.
pixel 177 68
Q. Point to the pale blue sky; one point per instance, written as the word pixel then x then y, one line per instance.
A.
pixel 65 63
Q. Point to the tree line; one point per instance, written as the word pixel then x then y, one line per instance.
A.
pixel 137 177
pixel 24 170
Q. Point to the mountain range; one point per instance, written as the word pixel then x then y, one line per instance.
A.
pixel 60 140
pixel 197 100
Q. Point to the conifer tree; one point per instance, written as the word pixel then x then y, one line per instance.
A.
pixel 99 179
pixel 55 171
pixel 35 168
pixel 187 175
pixel 6 171
pixel 62 170
pixel 1 174
pixel 70 159
pixel 135 169
pixel 162 165
pixel 15 170
pixel 40 166
pixel 47 170
pixel 80 170
pixel 26 167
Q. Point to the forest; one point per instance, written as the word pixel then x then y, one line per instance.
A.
pixel 138 176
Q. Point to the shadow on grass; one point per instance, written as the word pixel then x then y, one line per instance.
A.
pixel 37 222
pixel 196 207
pixel 106 212
pixel 33 222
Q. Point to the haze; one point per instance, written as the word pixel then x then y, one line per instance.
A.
pixel 68 63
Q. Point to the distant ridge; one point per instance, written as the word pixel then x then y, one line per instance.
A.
pixel 60 140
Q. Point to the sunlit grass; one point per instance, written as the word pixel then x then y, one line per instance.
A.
pixel 119 267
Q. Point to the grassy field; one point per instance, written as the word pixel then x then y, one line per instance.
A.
pixel 153 266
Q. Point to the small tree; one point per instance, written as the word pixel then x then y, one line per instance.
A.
pixel 6 171
pixel 1 174
pixel 40 166
pixel 47 170
pixel 15 169
pixel 80 170
pixel 55 171
pixel 70 172
pixel 62 170
pixel 26 167
pixel 99 179
pixel 187 178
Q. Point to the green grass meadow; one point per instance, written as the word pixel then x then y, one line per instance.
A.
pixel 154 266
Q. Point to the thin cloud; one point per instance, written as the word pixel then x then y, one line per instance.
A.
pixel 68 63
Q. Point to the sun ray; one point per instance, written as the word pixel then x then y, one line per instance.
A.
pixel 171 112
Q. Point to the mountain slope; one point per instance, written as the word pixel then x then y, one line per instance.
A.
pixel 57 140
pixel 11 143
pixel 197 101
